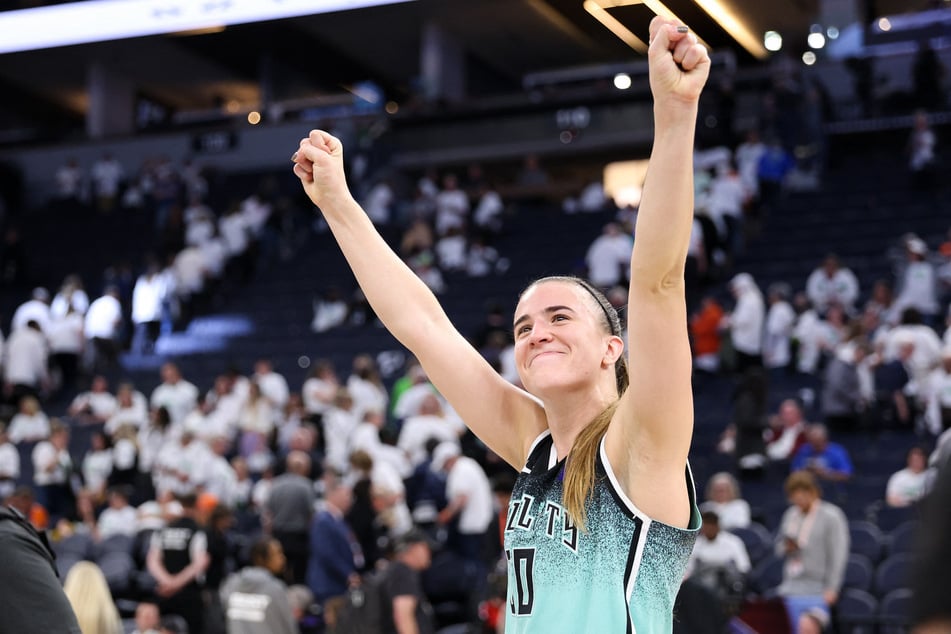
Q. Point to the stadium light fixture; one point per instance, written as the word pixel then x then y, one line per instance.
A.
pixel 772 41
pixel 599 11
pixel 816 40
pixel 622 81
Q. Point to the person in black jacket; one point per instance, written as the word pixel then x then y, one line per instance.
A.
pixel 31 596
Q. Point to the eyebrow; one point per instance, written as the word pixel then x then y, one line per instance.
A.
pixel 547 311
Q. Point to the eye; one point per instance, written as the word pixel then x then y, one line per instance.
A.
pixel 559 317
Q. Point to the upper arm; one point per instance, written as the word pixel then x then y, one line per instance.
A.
pixel 504 417
pixel 404 611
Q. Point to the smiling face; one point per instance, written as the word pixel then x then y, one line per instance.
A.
pixel 561 339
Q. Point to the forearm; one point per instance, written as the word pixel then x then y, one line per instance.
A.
pixel 665 217
pixel 399 298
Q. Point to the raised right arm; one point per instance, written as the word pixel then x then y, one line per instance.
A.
pixel 506 418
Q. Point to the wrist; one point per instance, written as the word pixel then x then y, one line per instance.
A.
pixel 673 112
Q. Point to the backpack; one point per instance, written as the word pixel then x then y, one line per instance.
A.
pixel 361 611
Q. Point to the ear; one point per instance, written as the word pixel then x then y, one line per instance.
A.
pixel 614 348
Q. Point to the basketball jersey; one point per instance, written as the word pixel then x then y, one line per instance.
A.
pixel 620 576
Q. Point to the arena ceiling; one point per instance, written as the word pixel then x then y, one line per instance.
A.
pixel 503 40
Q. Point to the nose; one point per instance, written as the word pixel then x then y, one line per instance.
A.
pixel 540 333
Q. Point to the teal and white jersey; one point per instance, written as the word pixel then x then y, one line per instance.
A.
pixel 619 577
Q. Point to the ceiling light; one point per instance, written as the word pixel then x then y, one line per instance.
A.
pixel 732 23
pixel 773 41
pixel 884 24
pixel 599 11
pixel 392 107
pixel 816 40
pixel 254 117
pixel 832 33
pixel 808 58
pixel 622 81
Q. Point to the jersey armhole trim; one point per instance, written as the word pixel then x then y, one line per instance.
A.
pixel 532 448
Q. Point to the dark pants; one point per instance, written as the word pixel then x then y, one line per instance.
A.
pixel 189 605
pixel 296 547
pixel 67 365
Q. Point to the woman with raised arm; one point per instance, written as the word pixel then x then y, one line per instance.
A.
pixel 603 516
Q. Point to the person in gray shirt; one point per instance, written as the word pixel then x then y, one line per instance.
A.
pixel 290 508
pixel 813 538
pixel 254 599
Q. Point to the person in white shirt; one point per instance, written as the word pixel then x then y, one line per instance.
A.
pixel 96 405
pixel 9 464
pixel 131 410
pixel 832 284
pixel 366 437
pixel 339 422
pixel 69 183
pixel 726 198
pixel 429 423
pixel 30 424
pixel 319 389
pixel 176 394
pixel 25 362
pixel 107 175
pixel 273 385
pixel 780 321
pixel 608 256
pixel 909 485
pixel 366 387
pixel 723 498
pixel 66 339
pixel 717 551
pixel 256 422
pixel 451 250
pixel 378 202
pixel 452 206
pixel 746 321
pixel 119 518
pixel 102 329
pixel 918 286
pixel 70 294
pixel 37 309
pixel 487 216
pixel 97 465
pixel 470 499
pixel 52 469
pixel 747 158
pixel 330 311
pixel 148 298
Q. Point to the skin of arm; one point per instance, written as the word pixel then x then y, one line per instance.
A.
pixel 505 417
pixel 649 437
pixel 404 614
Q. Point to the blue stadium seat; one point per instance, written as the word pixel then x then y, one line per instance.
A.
pixel 893 573
pixel 767 575
pixel 894 612
pixel 901 540
pixel 859 573
pixel 757 540
pixel 866 539
pixel 856 612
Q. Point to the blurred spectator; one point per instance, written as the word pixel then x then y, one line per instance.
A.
pixel 9 464
pixel 746 322
pixel 147 618
pixel 719 560
pixel 378 202
pixel 30 424
pixel 747 156
pixel 52 472
pixel 825 460
pixel 97 465
pixel 37 309
pixel 106 176
pixel 417 238
pixel 608 257
pixel 813 538
pixel 430 422
pixel 69 185
pixel 881 302
pixel 890 379
pixel 774 165
pixel 470 501
pixel 727 199
pixel 289 509
pixel 787 431
pixel 66 340
pixel 930 609
pixel 424 267
pixel 118 518
pixel 451 250
pixel 723 499
pixel 335 554
pixel 95 405
pixel 482 259
pixel 148 298
pixel 841 402
pixel 487 216
pixel 330 311
pixel 254 598
pixel 532 174
pixel 273 384
pixel 25 363
pixel 71 294
pixel 452 206
pixel 921 151
pixel 103 320
pixel 780 321
pixel 366 386
pixel 705 335
pixel 177 559
pixel 832 284
pixel 131 410
pixel 86 588
pixel 918 288
pixel 175 394
pixel 319 389
pixel 405 607
pixel 907 486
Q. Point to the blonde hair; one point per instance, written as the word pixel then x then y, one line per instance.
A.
pixel 88 593
pixel 580 465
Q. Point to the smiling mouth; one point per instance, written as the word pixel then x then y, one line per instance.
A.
pixel 547 353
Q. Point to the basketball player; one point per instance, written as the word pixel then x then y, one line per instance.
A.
pixel 603 516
